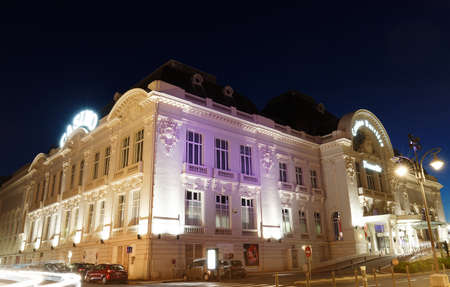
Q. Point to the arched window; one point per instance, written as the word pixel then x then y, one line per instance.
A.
pixel 337 226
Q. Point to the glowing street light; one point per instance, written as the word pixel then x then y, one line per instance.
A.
pixel 436 163
pixel 401 170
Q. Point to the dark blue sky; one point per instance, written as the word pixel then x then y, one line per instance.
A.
pixel 392 59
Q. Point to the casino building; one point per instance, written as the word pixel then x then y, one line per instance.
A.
pixel 179 163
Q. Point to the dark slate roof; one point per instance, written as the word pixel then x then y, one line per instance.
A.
pixel 301 113
pixel 180 75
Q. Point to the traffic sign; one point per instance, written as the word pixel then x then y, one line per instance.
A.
pixel 129 249
pixel 308 251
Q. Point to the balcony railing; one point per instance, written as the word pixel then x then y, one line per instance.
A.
pixel 285 186
pixel 194 229
pixel 226 231
pixel 195 169
pixel 225 174
pixel 301 188
pixel 249 179
pixel 250 232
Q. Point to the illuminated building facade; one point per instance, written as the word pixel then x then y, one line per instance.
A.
pixel 179 164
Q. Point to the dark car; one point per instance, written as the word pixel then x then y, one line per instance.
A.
pixel 107 273
pixel 236 268
pixel 81 268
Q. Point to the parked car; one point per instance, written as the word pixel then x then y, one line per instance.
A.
pixel 107 273
pixel 237 269
pixel 81 268
pixel 198 270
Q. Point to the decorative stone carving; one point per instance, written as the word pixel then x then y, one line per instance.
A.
pixel 350 167
pixel 168 131
pixel 248 192
pixel 267 157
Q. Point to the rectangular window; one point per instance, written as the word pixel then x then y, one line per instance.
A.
pixel 125 151
pixel 193 206
pixel 246 160
pixel 194 148
pixel 222 212
pixel 247 214
pixel 314 179
pixel 80 179
pixel 46 230
pixel 370 180
pixel 138 146
pixel 96 164
pixel 60 182
pixel 120 211
pixel 318 223
pixel 221 148
pixel 90 223
pixel 38 189
pixel 283 172
pixel 53 184
pixel 66 230
pixel 287 227
pixel 299 175
pixel 75 220
pixel 358 174
pixel 72 176
pixel 303 221
pixel 30 233
pixel 107 160
pixel 101 215
pixel 135 208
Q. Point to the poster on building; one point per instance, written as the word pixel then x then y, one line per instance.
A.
pixel 251 254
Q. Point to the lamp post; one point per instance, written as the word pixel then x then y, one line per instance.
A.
pixel 419 174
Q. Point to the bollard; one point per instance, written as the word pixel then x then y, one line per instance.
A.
pixel 375 277
pixel 276 279
pixel 356 279
pixel 363 275
pixel 393 276
pixel 409 277
pixel 333 277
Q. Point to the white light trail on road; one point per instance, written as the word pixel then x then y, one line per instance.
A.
pixel 35 278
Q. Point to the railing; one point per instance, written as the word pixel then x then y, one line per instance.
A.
pixel 226 231
pixel 195 169
pixel 194 229
pixel 250 232
pixel 285 186
pixel 226 174
pixel 301 188
pixel 249 179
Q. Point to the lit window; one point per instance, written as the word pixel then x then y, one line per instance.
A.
pixel 120 211
pixel 283 172
pixel 194 148
pixel 222 212
pixel 80 179
pixel 358 174
pixel 299 175
pixel 66 230
pixel 370 179
pixel 72 176
pixel 193 206
pixel 221 148
pixel 286 226
pixel 303 221
pixel 107 160
pixel 138 146
pixel 314 179
pixel 125 152
pixel 76 218
pixel 101 215
pixel 337 226
pixel 318 223
pixel 134 220
pixel 96 164
pixel 90 223
pixel 30 232
pixel 46 231
pixel 246 160
pixel 247 214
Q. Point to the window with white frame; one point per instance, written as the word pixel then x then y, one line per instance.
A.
pixel 125 151
pixel 30 232
pixel 46 230
pixel 247 214
pixel 246 160
pixel 221 148
pixel 318 222
pixel 138 146
pixel 286 224
pixel 107 160
pixel 34 230
pixel 134 220
pixel 75 219
pixel 299 175
pixel 370 179
pixel 222 212
pixel 96 164
pixel 358 174
pixel 193 208
pixel 283 172
pixel 72 176
pixel 303 221
pixel 66 230
pixel 80 179
pixel 120 217
pixel 90 218
pixel 194 148
pixel 53 226
pixel 314 183
pixel 101 214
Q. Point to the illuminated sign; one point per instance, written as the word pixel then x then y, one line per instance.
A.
pixel 86 120
pixel 374 167
pixel 211 258
pixel 365 123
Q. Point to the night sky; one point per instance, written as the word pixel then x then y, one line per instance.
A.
pixel 392 59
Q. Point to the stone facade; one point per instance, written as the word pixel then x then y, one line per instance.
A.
pixel 167 174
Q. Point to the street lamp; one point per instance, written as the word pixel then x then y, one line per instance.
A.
pixel 419 173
